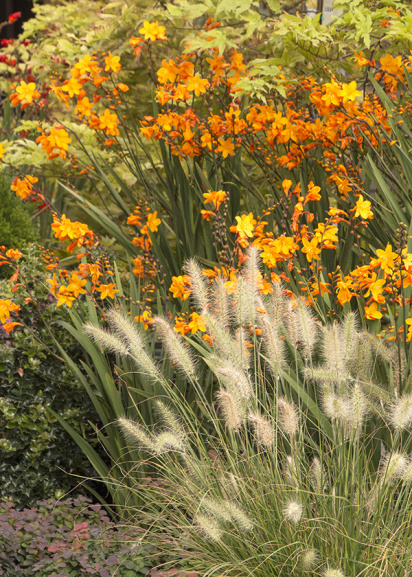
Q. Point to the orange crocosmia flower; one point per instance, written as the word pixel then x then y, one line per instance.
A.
pixel 310 248
pixel 391 64
pixel 197 323
pixel 344 293
pixel 135 218
pixel 14 254
pixel 8 327
pixel 226 147
pixel 372 313
pixel 54 285
pixel 206 214
pixel 24 187
pixel 107 290
pixel 153 221
pixel 145 318
pixel 84 107
pixel 348 92
pixel 313 192
pixel 72 87
pixel 86 65
pixel 76 285
pixel 360 60
pixel 25 92
pixel 327 235
pixel 138 266
pixel 168 72
pixel 122 87
pixel 387 259
pixel 64 297
pixel 181 326
pixel 375 289
pixel 152 31
pixel 108 122
pixel 245 225
pixel 363 208
pixel 180 287
pixel 286 184
pixel 198 85
pixel 94 270
pixel 331 96
pixel 216 197
pixel 112 63
pixel 7 307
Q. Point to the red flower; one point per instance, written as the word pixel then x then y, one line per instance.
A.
pixel 15 16
pixel 4 42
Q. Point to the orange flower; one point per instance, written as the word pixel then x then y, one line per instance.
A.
pixel 216 197
pixel 226 147
pixel 153 221
pixel 24 187
pixel 112 63
pixel 108 122
pixel 107 290
pixel 372 313
pixel 313 192
pixel 179 287
pixel 7 307
pixel 14 254
pixel 198 85
pixel 145 318
pixel 197 323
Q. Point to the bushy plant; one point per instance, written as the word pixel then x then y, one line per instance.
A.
pixel 16 225
pixel 39 460
pixel 68 539
pixel 300 462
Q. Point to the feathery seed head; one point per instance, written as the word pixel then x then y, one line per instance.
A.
pixel 168 441
pixel 263 429
pixel 309 559
pixel 245 303
pixel 359 406
pixel 136 434
pixel 221 303
pixel 401 413
pixel 176 348
pixel 293 512
pixel 232 410
pixel 274 346
pixel 317 476
pixel 288 417
pixel 407 475
pixel 209 526
pixel 224 344
pixel 170 418
pixel 292 323
pixel 276 305
pixel 200 292
pixel 217 509
pixel 330 572
pixel 393 467
pixel 307 329
pixel 106 340
pixel 238 516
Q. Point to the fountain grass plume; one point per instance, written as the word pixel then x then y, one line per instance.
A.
pixel 263 429
pixel 200 291
pixel 136 434
pixel 288 417
pixel 231 408
pixel 176 348
pixel 307 329
pixel 106 339
pixel 400 413
pixel 273 346
pixel 222 303
pixel 224 344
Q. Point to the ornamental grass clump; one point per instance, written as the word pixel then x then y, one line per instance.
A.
pixel 297 462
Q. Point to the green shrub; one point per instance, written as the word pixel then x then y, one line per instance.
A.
pixel 38 457
pixel 16 226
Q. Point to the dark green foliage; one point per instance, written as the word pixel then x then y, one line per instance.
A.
pixel 16 227
pixel 68 539
pixel 38 458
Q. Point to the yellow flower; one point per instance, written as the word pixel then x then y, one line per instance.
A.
pixel 372 313
pixel 72 87
pixel 85 65
pixel 26 91
pixel 226 147
pixel 198 85
pixel 64 297
pixel 349 92
pixel 152 31
pixel 2 150
pixel 310 248
pixel 76 285
pixel 363 208
pixel 245 225
pixel 84 107
pixel 107 290
pixel 387 258
pixel 112 63
pixel 197 323
pixel 153 221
